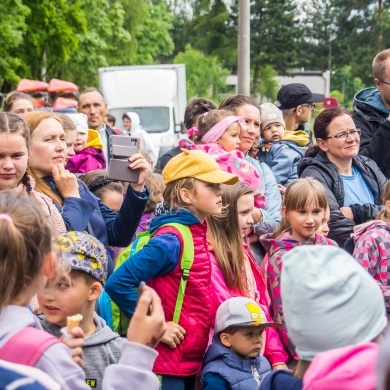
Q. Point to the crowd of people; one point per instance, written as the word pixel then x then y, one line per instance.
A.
pixel 263 245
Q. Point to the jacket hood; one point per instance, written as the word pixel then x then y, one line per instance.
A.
pixel 182 216
pixel 94 139
pixel 102 334
pixel 286 242
pixel 359 230
pixel 347 368
pixel 135 121
pixel 300 137
pixel 372 98
pixel 218 351
pixel 272 244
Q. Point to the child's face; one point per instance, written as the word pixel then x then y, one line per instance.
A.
pixel 230 139
pixel 80 142
pixel 112 199
pixel 70 139
pixel 324 228
pixel 205 199
pixel 305 222
pixel 245 205
pixel 273 132
pixel 63 296
pixel 246 342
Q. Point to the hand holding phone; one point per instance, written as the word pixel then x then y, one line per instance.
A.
pixel 121 148
pixel 140 289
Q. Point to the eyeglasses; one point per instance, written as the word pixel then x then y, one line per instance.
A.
pixel 385 82
pixel 344 135
pixel 311 105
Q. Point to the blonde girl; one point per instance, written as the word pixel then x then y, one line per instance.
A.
pixel 236 272
pixel 304 206
pixel 192 193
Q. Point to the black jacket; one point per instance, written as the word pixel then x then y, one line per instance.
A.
pixel 370 116
pixel 323 170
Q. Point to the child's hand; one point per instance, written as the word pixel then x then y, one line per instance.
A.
pixel 137 161
pixel 147 329
pixel 173 335
pixel 75 344
pixel 347 212
pixel 66 182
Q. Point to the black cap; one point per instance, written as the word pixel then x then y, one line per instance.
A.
pixel 293 95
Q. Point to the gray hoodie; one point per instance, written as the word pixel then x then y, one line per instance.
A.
pixel 100 350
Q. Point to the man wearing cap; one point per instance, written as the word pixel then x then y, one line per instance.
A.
pixel 371 114
pixel 297 103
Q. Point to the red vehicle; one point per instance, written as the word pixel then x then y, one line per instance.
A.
pixel 59 95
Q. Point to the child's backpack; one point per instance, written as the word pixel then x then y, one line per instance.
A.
pixel 27 346
pixel 114 317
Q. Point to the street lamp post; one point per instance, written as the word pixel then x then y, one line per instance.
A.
pixel 243 62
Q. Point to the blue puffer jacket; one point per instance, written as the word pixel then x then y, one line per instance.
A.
pixel 224 369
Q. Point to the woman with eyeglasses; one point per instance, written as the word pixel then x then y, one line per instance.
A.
pixel 267 218
pixel 354 183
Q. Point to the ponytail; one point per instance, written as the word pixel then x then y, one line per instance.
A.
pixel 25 240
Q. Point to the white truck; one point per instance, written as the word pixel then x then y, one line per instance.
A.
pixel 156 92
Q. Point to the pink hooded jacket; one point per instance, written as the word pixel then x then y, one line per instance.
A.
pixel 274 351
pixel 347 368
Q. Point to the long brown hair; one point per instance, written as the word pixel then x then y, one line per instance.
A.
pixel 34 119
pixel 25 239
pixel 297 196
pixel 13 124
pixel 224 234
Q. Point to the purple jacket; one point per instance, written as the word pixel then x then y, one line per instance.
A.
pixel 87 160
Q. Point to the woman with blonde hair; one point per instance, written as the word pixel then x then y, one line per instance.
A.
pixel 80 209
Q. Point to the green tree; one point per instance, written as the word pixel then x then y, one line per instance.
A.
pixel 12 27
pixel 52 35
pixel 152 39
pixel 268 86
pixel 274 33
pixel 205 75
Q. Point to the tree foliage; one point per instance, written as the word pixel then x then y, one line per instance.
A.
pixel 205 75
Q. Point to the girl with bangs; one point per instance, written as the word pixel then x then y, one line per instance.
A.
pixel 304 206
pixel 234 269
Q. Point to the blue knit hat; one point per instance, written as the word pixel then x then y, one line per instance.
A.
pixel 329 300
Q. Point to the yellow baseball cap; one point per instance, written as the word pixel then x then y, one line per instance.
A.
pixel 197 164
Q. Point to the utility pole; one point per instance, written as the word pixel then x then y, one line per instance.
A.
pixel 243 62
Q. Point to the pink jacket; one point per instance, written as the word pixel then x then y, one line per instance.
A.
pixel 347 368
pixel 233 162
pixel 87 160
pixel 276 248
pixel 274 351
pixel 372 251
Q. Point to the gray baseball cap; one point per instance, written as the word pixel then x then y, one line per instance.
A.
pixel 241 311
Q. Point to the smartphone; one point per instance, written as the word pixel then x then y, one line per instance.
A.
pixel 140 289
pixel 121 148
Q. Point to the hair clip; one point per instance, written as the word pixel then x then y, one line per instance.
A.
pixel 5 217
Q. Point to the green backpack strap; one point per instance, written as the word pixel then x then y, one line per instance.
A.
pixel 186 262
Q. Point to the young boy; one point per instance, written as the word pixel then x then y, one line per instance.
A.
pixel 75 291
pixel 281 149
pixel 88 147
pixel 233 359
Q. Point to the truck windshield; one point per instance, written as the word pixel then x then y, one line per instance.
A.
pixel 153 119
